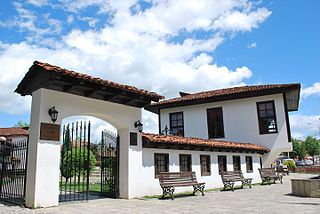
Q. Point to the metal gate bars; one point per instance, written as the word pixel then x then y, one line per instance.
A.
pixel 76 162
pixel 13 168
pixel 109 164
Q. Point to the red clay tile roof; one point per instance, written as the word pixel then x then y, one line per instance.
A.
pixel 223 94
pixel 156 139
pixel 97 80
pixel 13 132
pixel 87 78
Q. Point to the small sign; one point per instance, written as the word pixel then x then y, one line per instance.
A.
pixel 49 131
pixel 133 139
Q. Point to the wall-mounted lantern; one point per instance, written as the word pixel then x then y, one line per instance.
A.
pixel 138 125
pixel 166 131
pixel 53 114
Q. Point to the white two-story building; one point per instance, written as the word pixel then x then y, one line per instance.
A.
pixel 228 129
pixel 242 128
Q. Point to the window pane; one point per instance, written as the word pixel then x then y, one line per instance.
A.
pixel 267 117
pixel 173 116
pixel 236 163
pixel 269 105
pixel 270 113
pixel 249 165
pixel 262 106
pixel 161 163
pixel 185 163
pixel 215 123
pixel 205 165
pixel 176 123
pixel 222 163
pixel 263 113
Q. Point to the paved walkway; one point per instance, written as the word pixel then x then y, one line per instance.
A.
pixel 260 199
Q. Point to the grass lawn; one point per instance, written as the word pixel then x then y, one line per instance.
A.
pixel 93 187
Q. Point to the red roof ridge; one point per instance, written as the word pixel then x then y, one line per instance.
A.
pixel 224 94
pixel 196 141
pixel 13 131
pixel 231 90
pixel 96 80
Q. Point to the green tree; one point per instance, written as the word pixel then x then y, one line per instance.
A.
pixel 312 146
pixel 73 159
pixel 21 124
pixel 73 162
pixel 298 149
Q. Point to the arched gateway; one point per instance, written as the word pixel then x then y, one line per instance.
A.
pixel 72 93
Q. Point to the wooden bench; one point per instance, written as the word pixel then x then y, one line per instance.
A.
pixel 230 177
pixel 169 180
pixel 269 174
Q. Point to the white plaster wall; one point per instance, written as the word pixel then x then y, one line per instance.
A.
pixel 44 156
pixel 150 185
pixel 240 123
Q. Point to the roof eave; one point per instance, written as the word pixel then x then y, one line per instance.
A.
pixel 294 107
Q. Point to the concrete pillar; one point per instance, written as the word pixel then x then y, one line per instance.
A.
pixel 42 188
pixel 124 162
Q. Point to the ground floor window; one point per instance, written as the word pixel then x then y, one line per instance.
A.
pixel 236 163
pixel 185 163
pixel 249 165
pixel 205 165
pixel 161 163
pixel 222 163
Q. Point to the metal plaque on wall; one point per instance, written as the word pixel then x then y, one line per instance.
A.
pixel 49 131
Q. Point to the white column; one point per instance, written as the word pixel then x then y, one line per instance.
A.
pixel 42 188
pixel 124 163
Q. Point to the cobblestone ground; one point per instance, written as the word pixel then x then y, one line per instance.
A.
pixel 269 199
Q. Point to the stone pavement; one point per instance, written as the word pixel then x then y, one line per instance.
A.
pixel 269 199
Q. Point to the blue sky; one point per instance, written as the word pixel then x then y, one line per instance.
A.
pixel 184 45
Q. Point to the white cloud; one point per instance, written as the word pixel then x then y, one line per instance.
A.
pixel 136 49
pixel 70 19
pixel 252 45
pixel 313 90
pixel 97 126
pixel 304 125
pixel 91 21
pixel 38 26
pixel 38 3
pixel 78 5
pixel 240 21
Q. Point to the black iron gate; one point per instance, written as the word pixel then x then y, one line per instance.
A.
pixel 13 169
pixel 76 163
pixel 109 164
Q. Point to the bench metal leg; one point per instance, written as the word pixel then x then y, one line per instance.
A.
pixel 266 180
pixel 246 182
pixel 228 184
pixel 199 188
pixel 168 191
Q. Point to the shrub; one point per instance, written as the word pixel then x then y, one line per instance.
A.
pixel 73 162
pixel 290 164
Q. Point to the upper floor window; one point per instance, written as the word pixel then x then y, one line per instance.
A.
pixel 267 117
pixel 222 163
pixel 185 163
pixel 161 163
pixel 205 165
pixel 215 123
pixel 176 123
